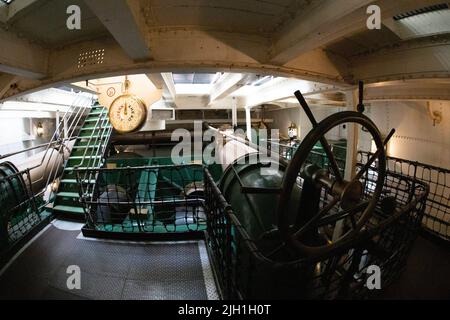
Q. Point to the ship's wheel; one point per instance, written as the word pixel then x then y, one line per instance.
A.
pixel 345 205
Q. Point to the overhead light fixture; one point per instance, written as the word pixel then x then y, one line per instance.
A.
pixel 7 1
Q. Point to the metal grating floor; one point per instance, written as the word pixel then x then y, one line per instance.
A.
pixel 109 270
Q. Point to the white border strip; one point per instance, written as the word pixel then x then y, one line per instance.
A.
pixel 81 237
pixel 10 262
pixel 210 283
pixel 67 225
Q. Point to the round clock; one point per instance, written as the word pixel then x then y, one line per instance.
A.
pixel 127 113
pixel 111 92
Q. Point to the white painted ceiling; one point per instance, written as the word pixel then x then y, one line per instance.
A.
pixel 230 22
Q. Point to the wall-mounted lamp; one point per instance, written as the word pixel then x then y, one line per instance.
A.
pixel 55 185
pixel 293 131
pixel 39 129
pixel 435 115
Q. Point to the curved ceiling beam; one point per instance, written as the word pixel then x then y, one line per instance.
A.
pixel 20 57
pixel 409 90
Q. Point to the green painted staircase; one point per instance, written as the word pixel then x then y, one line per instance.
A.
pixel 87 153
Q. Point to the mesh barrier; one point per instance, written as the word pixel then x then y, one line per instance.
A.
pixel 244 272
pixel 149 199
pixel 20 211
pixel 317 155
pixel 437 211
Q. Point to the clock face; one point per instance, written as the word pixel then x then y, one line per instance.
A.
pixel 127 113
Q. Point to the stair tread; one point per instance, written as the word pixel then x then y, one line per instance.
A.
pixel 85 157
pixel 101 119
pixel 89 137
pixel 81 168
pixel 68 194
pixel 68 209
pixel 74 181
pixel 97 112
pixel 98 116
pixel 96 137
pixel 89 147
pixel 94 128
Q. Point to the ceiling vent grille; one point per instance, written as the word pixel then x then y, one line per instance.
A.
pixel 91 58
pixel 416 12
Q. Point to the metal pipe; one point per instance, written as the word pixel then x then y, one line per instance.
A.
pixel 53 160
pixel 254 148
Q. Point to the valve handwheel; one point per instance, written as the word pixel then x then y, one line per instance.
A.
pixel 347 211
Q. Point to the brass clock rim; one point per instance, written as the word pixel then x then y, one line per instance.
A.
pixel 143 106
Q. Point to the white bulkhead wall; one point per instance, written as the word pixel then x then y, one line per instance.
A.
pixel 417 137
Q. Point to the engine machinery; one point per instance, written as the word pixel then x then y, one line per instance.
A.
pixel 285 201
pixel 299 210
pixel 22 181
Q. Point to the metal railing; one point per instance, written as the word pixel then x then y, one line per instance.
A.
pixel 22 206
pixel 102 131
pixel 436 219
pixel 19 212
pixel 147 199
pixel 70 134
pixel 287 150
pixel 245 272
pixel 68 127
pixel 66 131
